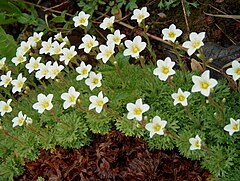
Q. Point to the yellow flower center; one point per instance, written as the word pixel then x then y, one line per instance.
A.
pixel 99 103
pixel 196 44
pixel 135 49
pixel 95 81
pixel 71 98
pixel 84 71
pixel 20 121
pixel 116 39
pixel 45 104
pixel 20 84
pixel 237 71
pixel 157 127
pixel 35 65
pixel 141 16
pixel 172 34
pixel 204 85
pixel 45 72
pixel 82 20
pixel 69 56
pixel 55 71
pixel 197 144
pixel 108 53
pixel 5 108
pixel 165 70
pixel 181 97
pixel 21 59
pixel 90 44
pixel 109 25
pixel 235 127
pixel 137 111
pixel 7 80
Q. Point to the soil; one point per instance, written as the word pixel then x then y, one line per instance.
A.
pixel 115 156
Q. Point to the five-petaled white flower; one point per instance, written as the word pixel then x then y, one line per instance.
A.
pixel 157 126
pixel 55 70
pixel 233 127
pixel 70 97
pixel 56 48
pixel 44 70
pixel 33 64
pixel 94 80
pixel 2 62
pixel 180 97
pixel 68 54
pixel 18 83
pixel 136 110
pixel 171 33
pixel 24 48
pixel 81 19
pixel 98 102
pixel 46 46
pixel 106 51
pixel 134 47
pixel 115 38
pixel 140 14
pixel 88 43
pixel 195 143
pixel 44 103
pixel 5 107
pixel 6 79
pixel 83 70
pixel 19 59
pixel 33 40
pixel 107 23
pixel 19 120
pixel 203 83
pixel 235 70
pixel 196 41
pixel 164 69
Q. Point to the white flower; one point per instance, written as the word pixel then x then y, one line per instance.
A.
pixel 46 46
pixel 5 107
pixel 235 70
pixel 83 70
pixel 157 126
pixel 136 110
pixel 68 54
pixel 115 38
pixel 19 120
pixel 44 71
pixel 24 48
pixel 98 102
pixel 81 19
pixel 18 83
pixel 56 48
pixel 59 38
pixel 18 59
pixel 203 84
pixel 180 97
pixel 2 62
pixel 106 51
pixel 44 103
pixel 28 120
pixel 195 143
pixel 134 47
pixel 164 69
pixel 94 80
pixel 196 41
pixel 88 43
pixel 107 23
pixel 6 79
pixel 171 33
pixel 70 97
pixel 33 64
pixel 140 14
pixel 33 40
pixel 233 126
pixel 55 70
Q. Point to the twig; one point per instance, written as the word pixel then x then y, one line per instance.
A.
pixel 185 16
pixel 224 33
pixel 53 7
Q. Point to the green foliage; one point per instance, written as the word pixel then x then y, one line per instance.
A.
pixel 8 45
pixel 168 4
pixel 72 131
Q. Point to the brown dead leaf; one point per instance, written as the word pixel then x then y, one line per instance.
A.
pixel 196 66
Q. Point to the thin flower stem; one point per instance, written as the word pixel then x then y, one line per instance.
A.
pixel 115 63
pixel 5 132
pixel 57 119
pixel 34 130
pixel 180 62
pixel 218 107
pixel 171 134
pixel 112 112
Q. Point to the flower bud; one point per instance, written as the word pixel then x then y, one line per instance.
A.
pixel 223 100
